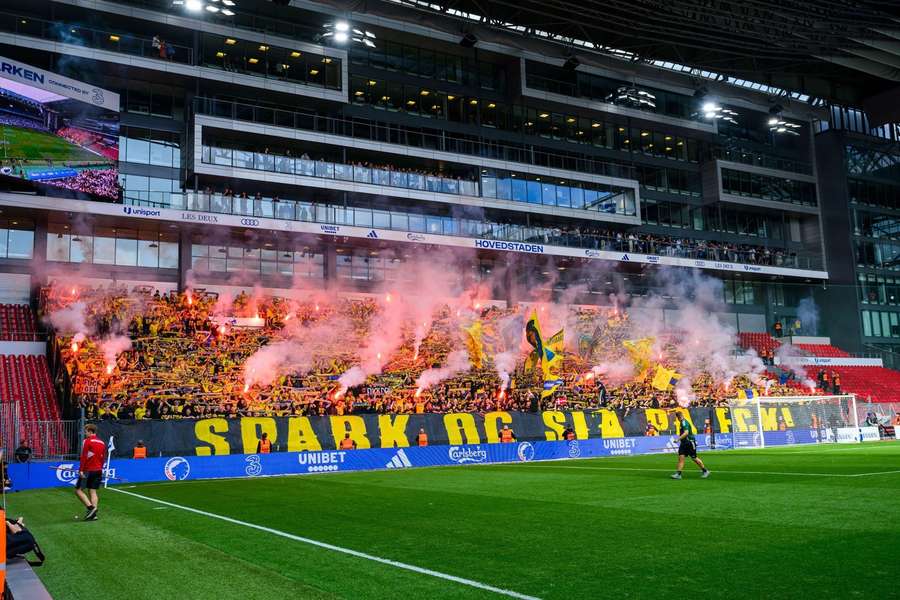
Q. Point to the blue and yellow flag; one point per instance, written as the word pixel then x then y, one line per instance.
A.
pixel 747 394
pixel 551 363
pixel 665 379
pixel 533 336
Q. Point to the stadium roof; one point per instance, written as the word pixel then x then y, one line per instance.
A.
pixel 842 51
pixel 27 91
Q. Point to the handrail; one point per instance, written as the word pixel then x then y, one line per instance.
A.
pixel 373 131
pixel 328 214
pixel 93 38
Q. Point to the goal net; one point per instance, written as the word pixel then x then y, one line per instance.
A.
pixel 793 419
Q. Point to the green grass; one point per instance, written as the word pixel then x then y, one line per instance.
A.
pixel 600 528
pixel 28 144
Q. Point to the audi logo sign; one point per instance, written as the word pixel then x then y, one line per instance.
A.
pixel 250 222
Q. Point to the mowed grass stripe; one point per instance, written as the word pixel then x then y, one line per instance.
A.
pixel 545 532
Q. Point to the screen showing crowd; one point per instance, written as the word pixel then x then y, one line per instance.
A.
pixel 48 139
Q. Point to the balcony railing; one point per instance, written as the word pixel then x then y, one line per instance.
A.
pixel 391 134
pixel 322 169
pixel 328 214
pixel 92 38
pixel 146 48
pixel 759 159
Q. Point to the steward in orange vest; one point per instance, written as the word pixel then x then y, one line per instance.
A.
pixel 264 446
pixel 422 438
pixel 507 435
pixel 140 450
pixel 347 443
pixel 569 434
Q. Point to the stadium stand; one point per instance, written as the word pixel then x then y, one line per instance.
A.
pixel 757 341
pixel 872 384
pixel 17 323
pixel 26 379
pixel 825 350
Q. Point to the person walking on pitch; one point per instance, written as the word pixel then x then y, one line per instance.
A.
pixel 687 446
pixel 90 471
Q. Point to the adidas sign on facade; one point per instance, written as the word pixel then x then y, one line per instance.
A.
pixel 399 461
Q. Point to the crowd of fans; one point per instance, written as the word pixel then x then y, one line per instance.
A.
pixel 100 182
pixel 187 362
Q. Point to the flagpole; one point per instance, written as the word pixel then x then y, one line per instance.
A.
pixel 109 450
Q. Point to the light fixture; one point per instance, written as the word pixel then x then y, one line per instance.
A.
pixel 227 12
pixel 411 102
pixel 632 97
pixel 326 60
pixel 424 92
pixel 313 72
pixel 113 38
pixel 778 124
pixel 295 54
pixel 193 5
pixel 544 115
pixel 570 120
pixel 358 93
pixel 492 105
pixel 263 48
pixel 341 32
pixel 228 2
pixel 220 54
pixel 230 41
pixel 473 101
pixel 595 125
pixel 451 97
pixel 253 60
pixel 212 9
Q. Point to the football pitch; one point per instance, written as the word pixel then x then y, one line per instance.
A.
pixel 804 521
pixel 28 144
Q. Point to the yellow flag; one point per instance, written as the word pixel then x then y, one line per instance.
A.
pixel 641 353
pixel 551 362
pixel 533 336
pixel 665 379
pixel 475 345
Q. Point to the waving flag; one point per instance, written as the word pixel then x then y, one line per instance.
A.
pixel 533 336
pixel 551 362
pixel 665 379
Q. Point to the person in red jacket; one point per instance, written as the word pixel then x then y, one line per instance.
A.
pixel 90 471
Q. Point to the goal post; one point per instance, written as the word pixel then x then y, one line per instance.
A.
pixel 770 420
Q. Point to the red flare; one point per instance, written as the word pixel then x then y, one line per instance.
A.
pixel 221 330
pixel 246 387
pixel 74 346
pixel 387 298
pixel 418 392
pixel 477 305
pixel 73 291
pixel 589 375
pixel 317 308
pixel 338 394
pixel 378 356
pixel 288 317
pixel 109 369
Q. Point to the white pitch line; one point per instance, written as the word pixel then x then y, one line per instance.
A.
pixel 332 547
pixel 726 472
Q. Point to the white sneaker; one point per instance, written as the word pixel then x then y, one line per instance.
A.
pixel 676 475
pixel 705 474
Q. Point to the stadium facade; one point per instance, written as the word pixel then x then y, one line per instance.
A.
pixel 252 141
